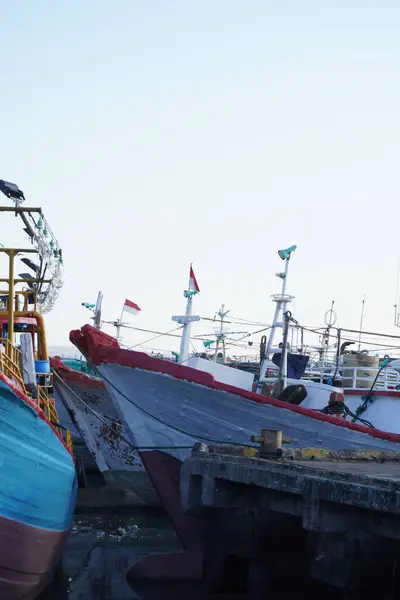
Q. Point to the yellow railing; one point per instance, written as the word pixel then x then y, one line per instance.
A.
pixel 47 405
pixel 11 366
pixel 11 362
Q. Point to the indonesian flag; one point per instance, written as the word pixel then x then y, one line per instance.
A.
pixel 131 307
pixel 193 285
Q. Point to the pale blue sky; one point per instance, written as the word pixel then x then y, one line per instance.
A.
pixel 156 133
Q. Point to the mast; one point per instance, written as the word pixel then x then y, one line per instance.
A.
pixel 118 325
pixel 11 293
pixel 361 323
pixel 330 320
pixel 186 320
pixel 396 316
pixel 45 246
pixel 221 334
pixel 282 300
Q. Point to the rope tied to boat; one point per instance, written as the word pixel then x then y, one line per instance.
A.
pixel 336 407
pixel 369 398
pixel 110 424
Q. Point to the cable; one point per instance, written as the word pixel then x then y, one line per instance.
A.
pixel 146 330
pixel 111 425
pixel 355 340
pixel 255 323
pixel 235 321
pixel 157 336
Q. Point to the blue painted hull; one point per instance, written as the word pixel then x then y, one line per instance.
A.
pixel 37 495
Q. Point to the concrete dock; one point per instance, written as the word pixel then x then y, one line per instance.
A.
pixel 334 515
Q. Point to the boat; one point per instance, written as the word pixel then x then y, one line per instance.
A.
pixel 370 387
pixel 167 407
pixel 84 400
pixel 39 481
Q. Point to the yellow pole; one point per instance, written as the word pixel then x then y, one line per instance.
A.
pixel 42 336
pixel 11 286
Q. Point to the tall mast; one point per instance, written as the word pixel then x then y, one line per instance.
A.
pixel 186 320
pixel 12 281
pixel 282 300
pixel 361 323
pixel 118 325
pixel 221 334
pixel 41 292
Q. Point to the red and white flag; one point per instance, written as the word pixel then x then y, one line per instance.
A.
pixel 131 307
pixel 193 285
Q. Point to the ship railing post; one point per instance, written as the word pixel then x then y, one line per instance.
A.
pixel 11 288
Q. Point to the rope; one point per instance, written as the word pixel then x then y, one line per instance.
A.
pixel 111 425
pixel 340 408
pixel 59 425
pixel 368 399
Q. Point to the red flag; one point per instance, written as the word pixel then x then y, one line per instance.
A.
pixel 131 307
pixel 193 281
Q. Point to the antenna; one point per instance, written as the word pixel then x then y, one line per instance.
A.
pixel 361 323
pixel 396 314
pixel 221 334
pixel 330 320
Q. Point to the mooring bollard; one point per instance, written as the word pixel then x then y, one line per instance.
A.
pixel 271 441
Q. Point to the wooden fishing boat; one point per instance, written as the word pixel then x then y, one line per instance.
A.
pixel 97 423
pixel 37 469
pixel 168 407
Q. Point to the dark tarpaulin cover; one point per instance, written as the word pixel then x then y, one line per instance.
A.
pixel 296 364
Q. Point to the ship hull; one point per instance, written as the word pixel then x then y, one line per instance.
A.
pixel 37 498
pixel 168 414
pixel 166 408
pixel 22 573
pixel 96 421
pixel 378 407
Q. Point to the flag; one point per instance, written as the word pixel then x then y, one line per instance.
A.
pixel 193 285
pixel 131 307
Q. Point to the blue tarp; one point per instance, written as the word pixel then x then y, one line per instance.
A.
pixel 296 364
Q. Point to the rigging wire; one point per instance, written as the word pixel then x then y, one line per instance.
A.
pixel 234 342
pixel 349 339
pixel 160 333
pixel 157 336
pixel 234 321
pixel 109 423
pixel 258 323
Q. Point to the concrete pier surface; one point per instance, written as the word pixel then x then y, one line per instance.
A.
pixel 340 511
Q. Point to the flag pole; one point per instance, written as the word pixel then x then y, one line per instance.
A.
pixel 184 349
pixel 186 320
pixel 118 324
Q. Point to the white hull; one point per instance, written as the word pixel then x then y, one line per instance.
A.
pixel 382 411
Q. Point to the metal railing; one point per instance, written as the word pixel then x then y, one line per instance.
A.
pixel 11 362
pixel 11 366
pixel 356 377
pixel 47 405
pixel 350 377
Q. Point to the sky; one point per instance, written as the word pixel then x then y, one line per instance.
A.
pixel 155 134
